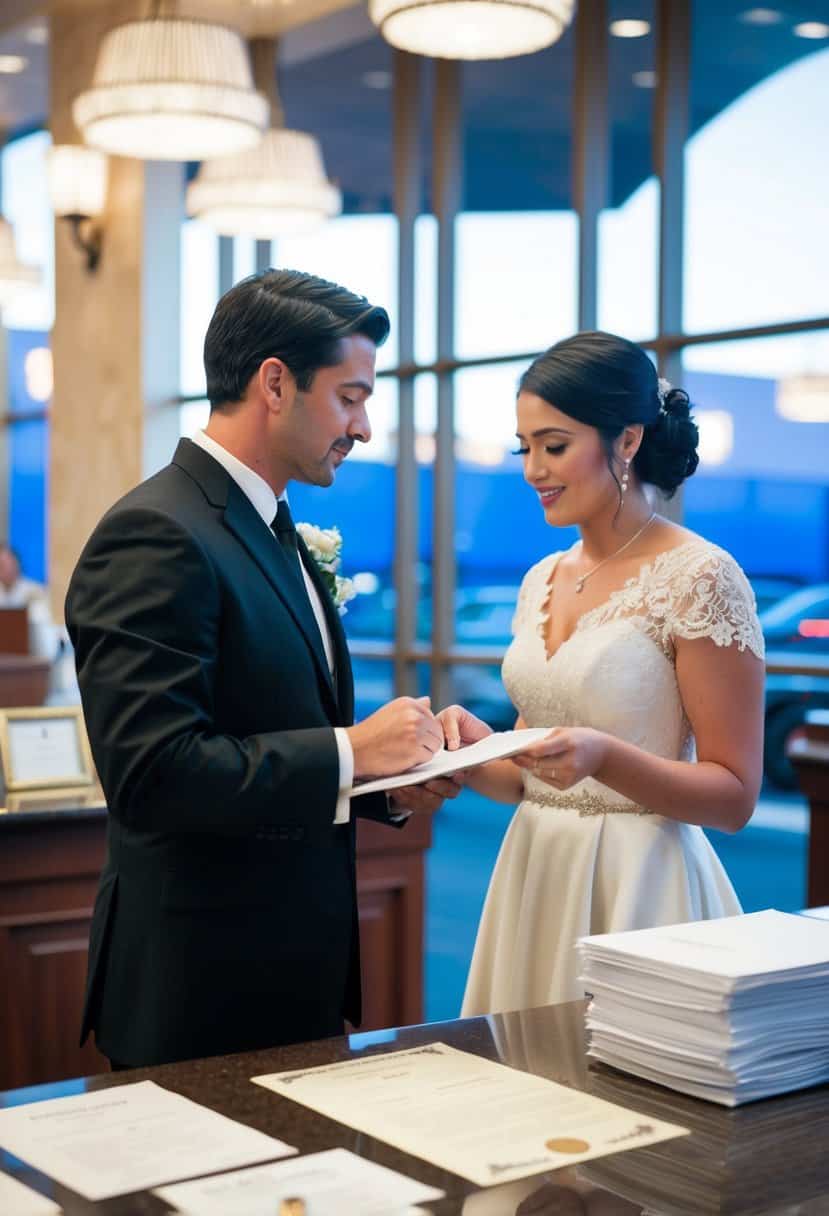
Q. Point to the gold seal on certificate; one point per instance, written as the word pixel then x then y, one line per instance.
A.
pixel 292 1207
pixel 567 1144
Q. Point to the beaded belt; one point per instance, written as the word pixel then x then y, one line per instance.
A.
pixel 584 803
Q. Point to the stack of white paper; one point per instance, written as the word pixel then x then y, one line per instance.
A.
pixel 729 1010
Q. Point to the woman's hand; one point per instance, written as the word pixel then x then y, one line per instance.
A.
pixel 567 755
pixel 460 727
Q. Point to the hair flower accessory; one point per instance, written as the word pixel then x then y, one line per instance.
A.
pixel 663 387
pixel 325 546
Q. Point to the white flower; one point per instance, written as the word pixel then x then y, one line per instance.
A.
pixel 325 545
pixel 345 591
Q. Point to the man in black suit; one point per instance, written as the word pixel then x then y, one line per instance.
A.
pixel 218 697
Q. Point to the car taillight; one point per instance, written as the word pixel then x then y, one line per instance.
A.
pixel 813 629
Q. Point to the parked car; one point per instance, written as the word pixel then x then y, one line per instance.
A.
pixel 797 626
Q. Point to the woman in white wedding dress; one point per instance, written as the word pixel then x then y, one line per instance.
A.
pixel 640 647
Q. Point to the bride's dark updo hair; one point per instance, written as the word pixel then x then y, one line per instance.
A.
pixel 609 383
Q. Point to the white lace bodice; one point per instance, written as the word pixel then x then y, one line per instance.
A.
pixel 616 672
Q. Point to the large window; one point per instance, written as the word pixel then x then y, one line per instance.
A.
pixel 721 274
pixel 756 187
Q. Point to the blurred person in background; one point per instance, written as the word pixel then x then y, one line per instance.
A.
pixel 18 591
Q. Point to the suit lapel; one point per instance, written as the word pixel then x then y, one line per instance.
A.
pixel 242 519
pixel 247 526
pixel 342 660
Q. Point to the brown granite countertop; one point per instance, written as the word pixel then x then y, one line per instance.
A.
pixel 761 1158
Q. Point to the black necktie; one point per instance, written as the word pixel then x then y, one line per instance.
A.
pixel 285 532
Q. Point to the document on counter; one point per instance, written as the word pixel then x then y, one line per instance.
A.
pixel 497 746
pixel 129 1138
pixel 462 1113
pixel 16 1199
pixel 332 1183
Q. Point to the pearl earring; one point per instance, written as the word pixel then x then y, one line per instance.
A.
pixel 625 478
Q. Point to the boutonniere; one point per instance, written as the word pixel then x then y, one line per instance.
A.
pixel 325 546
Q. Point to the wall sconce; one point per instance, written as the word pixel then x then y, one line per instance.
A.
pixel 77 185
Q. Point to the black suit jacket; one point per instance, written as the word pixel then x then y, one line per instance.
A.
pixel 226 916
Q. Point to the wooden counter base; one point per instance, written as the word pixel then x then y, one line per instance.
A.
pixel 49 867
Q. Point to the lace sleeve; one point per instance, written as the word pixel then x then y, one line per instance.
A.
pixel 714 599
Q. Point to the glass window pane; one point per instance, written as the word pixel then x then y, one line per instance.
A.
pixel 360 253
pixel 199 296
pixel 516 236
pixel 28 488
pixel 756 185
pixel 26 206
pixel 500 529
pixel 762 492
pixel 628 226
pixel 340 91
pixel 373 685
pixel 364 489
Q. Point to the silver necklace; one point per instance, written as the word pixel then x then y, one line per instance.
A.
pixel 583 579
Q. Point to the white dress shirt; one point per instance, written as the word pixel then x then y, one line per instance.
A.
pixel 264 502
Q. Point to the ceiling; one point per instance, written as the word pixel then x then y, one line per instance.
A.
pixel 335 71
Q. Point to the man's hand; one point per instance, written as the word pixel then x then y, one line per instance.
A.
pixel 428 797
pixel 460 727
pixel 395 738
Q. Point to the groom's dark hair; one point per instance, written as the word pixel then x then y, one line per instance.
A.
pixel 283 314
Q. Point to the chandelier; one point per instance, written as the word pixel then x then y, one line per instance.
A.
pixel 471 29
pixel 275 189
pixel 169 88
pixel 278 188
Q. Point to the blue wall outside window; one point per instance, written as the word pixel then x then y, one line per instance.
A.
pixel 28 460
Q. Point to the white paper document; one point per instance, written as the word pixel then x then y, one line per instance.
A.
pixel 730 1010
pixel 727 955
pixel 476 1118
pixel 497 746
pixel 332 1183
pixel 129 1138
pixel 19 1200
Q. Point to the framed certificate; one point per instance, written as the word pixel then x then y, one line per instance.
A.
pixel 45 748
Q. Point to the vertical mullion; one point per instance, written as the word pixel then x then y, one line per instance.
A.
pixel 262 256
pixel 407 179
pixel 225 264
pixel 590 149
pixel 673 55
pixel 670 134
pixel 447 178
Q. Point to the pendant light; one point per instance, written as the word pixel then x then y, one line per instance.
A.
pixel 275 189
pixel 171 88
pixel 471 29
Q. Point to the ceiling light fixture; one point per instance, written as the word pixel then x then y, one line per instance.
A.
pixel 378 79
pixel 811 29
pixel 761 16
pixel 11 65
pixel 471 29
pixel 37 34
pixel 169 88
pixel 275 189
pixel 803 398
pixel 645 80
pixel 630 28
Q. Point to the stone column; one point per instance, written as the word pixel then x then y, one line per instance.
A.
pixel 116 336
